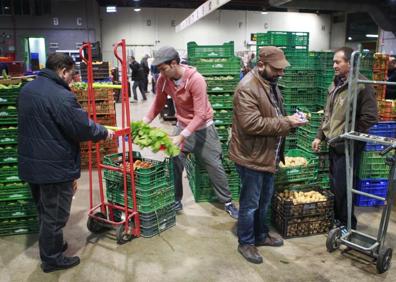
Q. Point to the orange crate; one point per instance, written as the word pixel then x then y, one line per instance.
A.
pixel 387 107
pixel 380 92
pixel 381 61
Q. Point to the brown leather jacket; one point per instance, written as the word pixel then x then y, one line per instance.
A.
pixel 256 125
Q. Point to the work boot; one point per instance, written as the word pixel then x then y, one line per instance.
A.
pixel 250 253
pixel 65 246
pixel 270 241
pixel 65 263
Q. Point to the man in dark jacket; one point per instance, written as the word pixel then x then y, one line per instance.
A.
pixel 146 71
pixel 137 78
pixel 333 126
pixel 51 125
pixel 391 89
pixel 259 127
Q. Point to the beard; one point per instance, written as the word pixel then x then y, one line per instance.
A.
pixel 266 76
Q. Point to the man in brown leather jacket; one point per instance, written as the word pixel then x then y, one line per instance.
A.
pixel 259 128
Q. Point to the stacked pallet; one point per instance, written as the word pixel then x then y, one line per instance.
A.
pixel 18 213
pixel 220 69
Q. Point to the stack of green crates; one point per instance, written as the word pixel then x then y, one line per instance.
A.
pixel 298 83
pixel 221 70
pixel 155 194
pixel 201 185
pixel 18 214
pixel 305 135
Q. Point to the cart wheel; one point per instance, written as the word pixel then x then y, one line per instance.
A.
pixel 384 260
pixel 122 236
pixel 332 242
pixel 95 226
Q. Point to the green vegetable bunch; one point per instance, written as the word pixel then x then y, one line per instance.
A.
pixel 156 139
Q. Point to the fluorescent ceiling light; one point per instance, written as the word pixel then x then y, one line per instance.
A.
pixel 372 35
pixel 111 9
pixel 349 38
pixel 278 3
pixel 137 9
pixel 264 13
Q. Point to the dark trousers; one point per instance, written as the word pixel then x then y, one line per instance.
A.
pixel 136 84
pixel 338 184
pixel 255 197
pixel 53 203
pixel 145 83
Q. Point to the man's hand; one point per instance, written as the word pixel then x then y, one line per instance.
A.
pixel 110 134
pixel 178 140
pixel 74 186
pixel 296 121
pixel 316 145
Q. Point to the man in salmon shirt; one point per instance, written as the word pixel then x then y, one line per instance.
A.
pixel 195 130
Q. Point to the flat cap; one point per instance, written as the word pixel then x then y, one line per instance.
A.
pixel 165 54
pixel 273 56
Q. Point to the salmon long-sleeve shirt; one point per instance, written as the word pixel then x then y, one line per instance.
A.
pixel 193 109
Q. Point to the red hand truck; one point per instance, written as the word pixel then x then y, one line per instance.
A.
pixel 101 216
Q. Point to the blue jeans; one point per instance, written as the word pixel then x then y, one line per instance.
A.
pixel 255 197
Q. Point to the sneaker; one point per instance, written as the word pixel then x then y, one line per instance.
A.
pixel 65 263
pixel 178 206
pixel 250 253
pixel 231 210
pixel 344 230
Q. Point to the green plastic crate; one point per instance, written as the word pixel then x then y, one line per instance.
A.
pixel 222 83
pixel 372 165
pixel 156 198
pixel 16 209
pixel 223 133
pixel 300 96
pixel 210 51
pixel 298 78
pixel 222 117
pixel 283 38
pixel 298 173
pixel 217 66
pixel 10 192
pixel 200 184
pixel 221 101
pixel 19 226
pixel 160 172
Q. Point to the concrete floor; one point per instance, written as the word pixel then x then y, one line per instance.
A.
pixel 201 247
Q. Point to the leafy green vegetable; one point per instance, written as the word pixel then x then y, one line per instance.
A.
pixel 156 139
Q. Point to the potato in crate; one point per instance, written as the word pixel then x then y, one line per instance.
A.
pixel 308 211
pixel 299 166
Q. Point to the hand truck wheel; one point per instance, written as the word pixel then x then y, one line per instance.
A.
pixel 332 242
pixel 95 226
pixel 122 235
pixel 384 260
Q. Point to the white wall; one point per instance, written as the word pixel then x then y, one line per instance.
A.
pixel 219 27
pixel 387 43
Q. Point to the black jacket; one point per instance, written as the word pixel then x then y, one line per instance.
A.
pixel 137 71
pixel 51 125
pixel 391 89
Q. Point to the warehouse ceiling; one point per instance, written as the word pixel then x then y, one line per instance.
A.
pixel 383 12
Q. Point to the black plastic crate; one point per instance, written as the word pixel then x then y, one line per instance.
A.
pixel 288 209
pixel 304 226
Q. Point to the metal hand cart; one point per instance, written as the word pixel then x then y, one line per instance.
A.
pixel 355 240
pixel 101 216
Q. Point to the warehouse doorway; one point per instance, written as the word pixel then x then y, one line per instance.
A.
pixel 35 55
